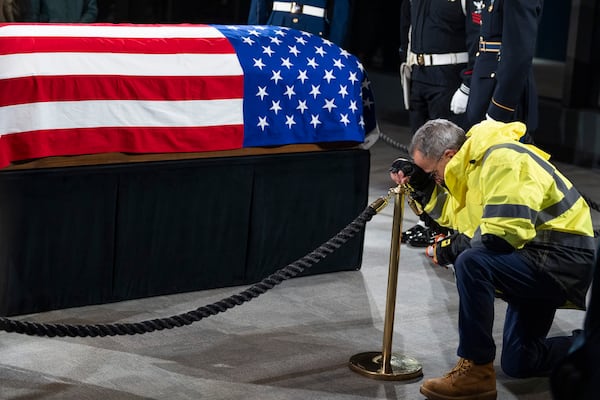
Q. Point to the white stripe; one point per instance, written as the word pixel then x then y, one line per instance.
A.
pixel 296 8
pixel 20 65
pixel 110 31
pixel 114 113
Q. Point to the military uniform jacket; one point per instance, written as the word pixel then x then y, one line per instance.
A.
pixel 85 11
pixel 507 87
pixel 332 25
pixel 441 27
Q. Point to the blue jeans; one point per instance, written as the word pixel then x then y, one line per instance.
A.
pixel 532 298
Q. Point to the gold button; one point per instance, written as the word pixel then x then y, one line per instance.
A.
pixel 477 54
pixel 295 20
pixel 492 75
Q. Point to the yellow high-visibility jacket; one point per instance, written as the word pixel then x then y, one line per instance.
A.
pixel 497 185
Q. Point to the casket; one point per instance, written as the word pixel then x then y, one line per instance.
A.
pixel 143 160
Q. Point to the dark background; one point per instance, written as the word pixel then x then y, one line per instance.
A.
pixel 375 23
pixel 566 31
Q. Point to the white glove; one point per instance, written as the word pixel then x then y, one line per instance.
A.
pixel 405 72
pixel 458 105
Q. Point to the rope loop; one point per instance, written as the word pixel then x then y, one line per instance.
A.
pixel 188 318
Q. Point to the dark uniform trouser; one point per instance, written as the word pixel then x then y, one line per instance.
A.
pixel 482 91
pixel 431 91
pixel 532 298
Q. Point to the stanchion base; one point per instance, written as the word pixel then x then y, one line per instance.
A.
pixel 370 364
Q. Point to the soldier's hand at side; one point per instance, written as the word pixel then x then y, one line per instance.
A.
pixel 458 104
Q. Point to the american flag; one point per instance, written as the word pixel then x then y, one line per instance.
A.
pixel 300 88
pixel 68 89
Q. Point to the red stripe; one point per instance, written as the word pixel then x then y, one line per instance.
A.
pixel 47 44
pixel 37 144
pixel 93 87
pixel 45 143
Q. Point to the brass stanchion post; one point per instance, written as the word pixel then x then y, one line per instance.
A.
pixel 384 364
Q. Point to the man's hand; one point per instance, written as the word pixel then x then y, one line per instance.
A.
pixel 458 104
pixel 431 250
pixel 404 170
pixel 401 170
pixel 445 251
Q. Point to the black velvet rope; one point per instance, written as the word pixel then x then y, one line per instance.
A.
pixel 138 328
pixel 394 143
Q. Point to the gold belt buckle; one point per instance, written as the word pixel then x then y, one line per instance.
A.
pixel 296 8
pixel 420 59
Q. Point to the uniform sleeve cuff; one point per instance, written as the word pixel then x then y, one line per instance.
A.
pixel 500 114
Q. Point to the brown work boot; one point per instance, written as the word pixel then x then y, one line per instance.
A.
pixel 466 381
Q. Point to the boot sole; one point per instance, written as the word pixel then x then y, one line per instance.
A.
pixel 491 395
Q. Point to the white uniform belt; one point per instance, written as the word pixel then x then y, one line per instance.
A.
pixel 298 8
pixel 438 59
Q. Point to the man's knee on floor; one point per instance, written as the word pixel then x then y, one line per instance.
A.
pixel 518 364
pixel 464 264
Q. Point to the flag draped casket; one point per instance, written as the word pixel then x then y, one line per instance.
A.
pixel 101 233
pixel 85 89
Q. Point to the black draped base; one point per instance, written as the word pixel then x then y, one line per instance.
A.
pixel 96 234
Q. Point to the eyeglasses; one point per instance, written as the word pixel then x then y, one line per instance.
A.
pixel 433 174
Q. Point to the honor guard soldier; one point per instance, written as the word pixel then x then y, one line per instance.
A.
pixel 81 11
pixel 326 18
pixel 502 86
pixel 440 52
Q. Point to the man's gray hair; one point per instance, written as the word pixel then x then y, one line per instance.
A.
pixel 435 137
